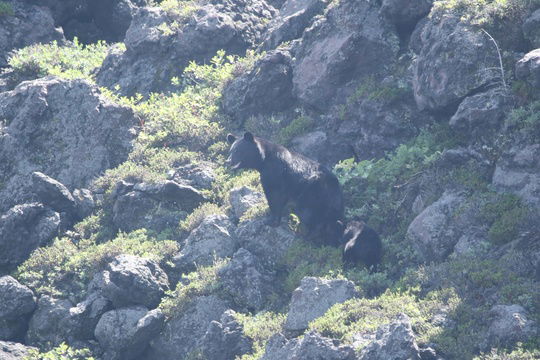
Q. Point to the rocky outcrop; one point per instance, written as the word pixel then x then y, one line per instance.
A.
pixel 405 15
pixel 23 25
pixel 53 194
pixel 528 68
pixel 157 51
pixel 46 329
pixel 509 324
pixel 313 298
pixel 13 351
pixel 23 229
pixel 83 318
pixel 242 199
pixel 64 128
pixel 225 340
pixel 131 280
pixel 531 29
pixel 17 302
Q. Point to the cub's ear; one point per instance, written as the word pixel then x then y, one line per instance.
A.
pixel 248 136
pixel 231 138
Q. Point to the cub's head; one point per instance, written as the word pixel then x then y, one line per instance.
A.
pixel 245 152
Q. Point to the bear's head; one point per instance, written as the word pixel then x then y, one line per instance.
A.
pixel 351 231
pixel 245 152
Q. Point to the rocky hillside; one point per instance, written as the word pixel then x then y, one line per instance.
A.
pixel 123 235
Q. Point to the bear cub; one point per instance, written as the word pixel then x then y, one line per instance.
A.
pixel 286 177
pixel 361 244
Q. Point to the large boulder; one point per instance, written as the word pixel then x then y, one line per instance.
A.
pixel 64 128
pixel 13 351
pixel 433 233
pixel 23 229
pixel 214 238
pixel 528 68
pixel 125 333
pixel 131 280
pixel 242 199
pixel 53 194
pixel 405 14
pixel 455 61
pixel 518 171
pixel 531 29
pixel 182 334
pixel 245 280
pixel 83 318
pixel 25 25
pixel 313 298
pixel 160 44
pixel 339 48
pixel 17 302
pixel 46 328
pixel 508 325
pixel 225 339
pixel 309 347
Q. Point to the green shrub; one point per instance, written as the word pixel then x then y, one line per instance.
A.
pixel 65 268
pixel 198 215
pixel 525 119
pixel 6 9
pixel 504 213
pixel 518 354
pixel 72 61
pixel 260 328
pixel 298 126
pixel 61 352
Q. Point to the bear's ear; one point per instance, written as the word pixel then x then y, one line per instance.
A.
pixel 248 136
pixel 340 226
pixel 231 138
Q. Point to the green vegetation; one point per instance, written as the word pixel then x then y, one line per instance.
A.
pixel 373 89
pixel 65 268
pixel 6 9
pixel 518 354
pixel 73 61
pixel 62 351
pixel 298 126
pixel 526 120
pixel 198 215
pixel 260 328
pixel 503 213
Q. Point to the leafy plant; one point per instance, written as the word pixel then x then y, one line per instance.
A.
pixel 298 126
pixel 260 328
pixel 61 352
pixel 6 9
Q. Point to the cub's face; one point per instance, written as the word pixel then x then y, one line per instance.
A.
pixel 244 152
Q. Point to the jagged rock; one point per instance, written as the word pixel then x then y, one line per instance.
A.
pixel 339 48
pixel 509 324
pixel 214 238
pixel 83 318
pixel 154 56
pixel 46 330
pixel 125 333
pixel 13 351
pixel 312 144
pixel 182 334
pixel 23 229
pixel 405 14
pixel 455 61
pixel 53 194
pixel 242 199
pixel 393 341
pixel 531 29
pixel 313 298
pixel 246 282
pixel 184 196
pixel 472 242
pixel 528 68
pixel 293 18
pixel 267 243
pixel 85 202
pixel 64 128
pixel 16 305
pixel 27 25
pixel 518 171
pixel 481 114
pixel 267 88
pixel 225 339
pixel 433 233
pixel 131 280
pixel 201 175
pixel 312 346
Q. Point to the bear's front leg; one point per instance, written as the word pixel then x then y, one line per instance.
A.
pixel 276 203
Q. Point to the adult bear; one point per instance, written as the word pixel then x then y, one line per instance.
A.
pixel 287 176
pixel 361 244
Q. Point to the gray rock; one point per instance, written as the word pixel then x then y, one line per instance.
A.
pixel 531 29
pixel 405 13
pixel 131 280
pixel 471 242
pixel 183 333
pixel 13 351
pixel 64 128
pixel 184 196
pixel 528 68
pixel 266 89
pixel 481 114
pixel 433 233
pixel 242 199
pixel 125 333
pixel 53 194
pixel 201 175
pixel 29 24
pixel 84 199
pixel 313 298
pixel 246 282
pixel 83 318
pixel 509 324
pixel 214 238
pixel 454 61
pixel 16 305
pixel 293 18
pixel 339 48
pixel 312 144
pixel 154 56
pixel 311 346
pixel 23 229
pixel 46 329
pixel 394 341
pixel 225 339
pixel 518 171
